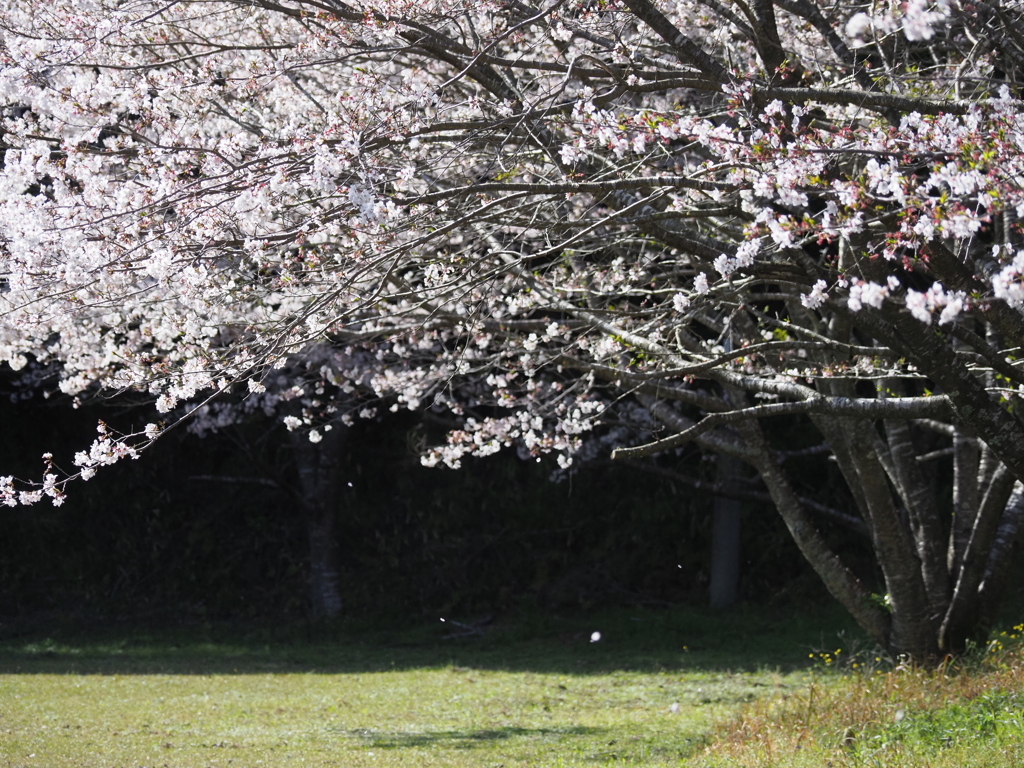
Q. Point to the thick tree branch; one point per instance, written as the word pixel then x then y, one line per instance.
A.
pixel 714 441
pixel 730 491
pixel 902 408
pixel 687 51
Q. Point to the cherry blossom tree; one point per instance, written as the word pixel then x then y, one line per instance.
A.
pixel 549 221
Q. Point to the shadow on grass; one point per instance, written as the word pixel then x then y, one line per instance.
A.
pixel 746 639
pixel 462 739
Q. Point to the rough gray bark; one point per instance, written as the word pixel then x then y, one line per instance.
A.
pixel 923 512
pixel 960 621
pixel 966 462
pixel 997 572
pixel 912 625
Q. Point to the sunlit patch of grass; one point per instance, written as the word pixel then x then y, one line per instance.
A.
pixel 687 689
pixel 443 716
pixel 533 693
pixel 882 714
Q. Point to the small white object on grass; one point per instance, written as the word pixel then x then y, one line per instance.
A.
pixel 674 708
pixel 595 637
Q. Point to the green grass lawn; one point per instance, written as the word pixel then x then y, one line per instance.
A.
pixel 446 716
pixel 533 692
pixel 675 687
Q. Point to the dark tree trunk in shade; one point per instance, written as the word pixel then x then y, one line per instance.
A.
pixel 725 537
pixel 319 469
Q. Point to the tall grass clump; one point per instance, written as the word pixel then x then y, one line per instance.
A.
pixel 864 709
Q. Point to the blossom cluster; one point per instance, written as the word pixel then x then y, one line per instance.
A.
pixel 316 216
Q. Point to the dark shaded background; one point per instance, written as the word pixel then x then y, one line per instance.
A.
pixel 209 527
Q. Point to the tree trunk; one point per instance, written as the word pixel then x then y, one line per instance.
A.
pixel 840 581
pixel 319 468
pixel 944 578
pixel 961 620
pixel 966 462
pixel 913 626
pixel 997 572
pixel 925 519
pixel 725 537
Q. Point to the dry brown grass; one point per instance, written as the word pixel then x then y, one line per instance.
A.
pixel 964 713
